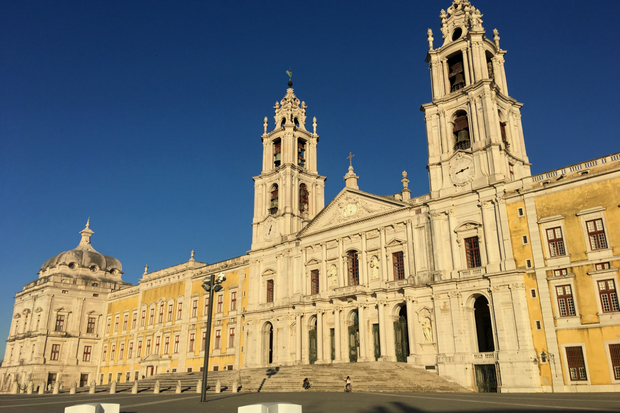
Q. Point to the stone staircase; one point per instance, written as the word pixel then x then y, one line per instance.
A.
pixel 365 377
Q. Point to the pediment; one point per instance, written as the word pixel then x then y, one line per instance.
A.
pixel 395 242
pixel 150 357
pixel 350 206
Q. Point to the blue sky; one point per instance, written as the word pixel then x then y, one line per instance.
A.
pixel 146 116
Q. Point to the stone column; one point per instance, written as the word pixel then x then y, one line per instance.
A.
pixel 446 81
pixel 298 339
pixel 363 333
pixel 319 336
pixel 411 324
pixel 364 279
pixel 382 257
pixel 382 331
pixel 466 67
pixel 337 335
pixel 490 235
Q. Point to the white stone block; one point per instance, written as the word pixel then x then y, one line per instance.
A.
pixel 270 408
pixel 94 408
pixel 110 407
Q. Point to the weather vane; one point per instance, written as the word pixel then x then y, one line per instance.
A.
pixel 289 72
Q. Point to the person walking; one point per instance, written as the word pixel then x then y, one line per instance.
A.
pixel 347 387
pixel 306 384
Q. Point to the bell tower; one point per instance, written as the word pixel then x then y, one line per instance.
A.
pixel 473 127
pixel 289 192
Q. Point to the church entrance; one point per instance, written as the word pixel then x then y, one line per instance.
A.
pixel 268 344
pixel 83 379
pixel 486 378
pixel 401 336
pixel 376 341
pixel 484 328
pixel 312 342
pixel 354 334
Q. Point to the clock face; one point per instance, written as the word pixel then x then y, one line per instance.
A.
pixel 461 171
pixel 271 230
pixel 349 210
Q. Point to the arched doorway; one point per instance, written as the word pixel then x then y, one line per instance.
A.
pixel 401 335
pixel 484 327
pixel 312 341
pixel 268 344
pixel 354 335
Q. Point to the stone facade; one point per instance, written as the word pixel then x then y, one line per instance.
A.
pixel 497 280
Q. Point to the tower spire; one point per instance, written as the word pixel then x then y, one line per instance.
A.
pixel 85 241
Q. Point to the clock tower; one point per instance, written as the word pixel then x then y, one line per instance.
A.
pixel 289 192
pixel 473 127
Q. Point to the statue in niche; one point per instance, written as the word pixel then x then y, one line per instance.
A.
pixel 333 277
pixel 427 328
pixel 374 268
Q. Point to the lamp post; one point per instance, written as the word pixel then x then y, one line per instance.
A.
pixel 210 284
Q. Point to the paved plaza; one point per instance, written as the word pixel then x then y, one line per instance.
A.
pixel 325 402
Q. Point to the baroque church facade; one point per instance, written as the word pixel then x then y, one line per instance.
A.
pixel 496 279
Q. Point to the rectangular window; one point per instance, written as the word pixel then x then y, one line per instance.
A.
pixel 86 354
pixel 472 252
pixel 560 273
pixel 270 291
pixel 148 346
pixel 231 338
pixel 107 327
pixel 216 343
pixel 139 349
pixel 105 350
pixel 524 239
pixel 556 242
pixel 166 344
pixel 116 320
pixel 533 292
pixel 576 363
pixel 125 319
pixel 130 350
pixel 314 282
pixel 399 265
pixel 194 308
pixel 538 325
pixel 112 351
pixel 216 368
pixel 179 310
pixel 614 352
pixel 161 313
pixel 152 316
pixel 609 297
pixel 143 318
pixel 233 301
pixel 206 311
pixel 121 351
pixel 566 304
pixel 220 303
pixel 596 233
pixel 520 212
pixel 353 271
pixel 55 352
pixel 528 263
pixel 157 339
pixel 176 345
pixel 191 341
pixel 601 266
pixel 511 171
pixel 60 323
pixel 204 341
pixel 170 307
pixel 134 320
pixel 90 327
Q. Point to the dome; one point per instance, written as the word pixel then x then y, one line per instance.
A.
pixel 85 256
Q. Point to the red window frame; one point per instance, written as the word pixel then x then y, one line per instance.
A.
pixel 176 344
pixel 60 322
pixel 204 341
pixel 216 342
pixel 566 303
pixel 220 303
pixel 134 320
pixel 105 350
pixel 472 252
pixel 353 269
pixel 170 308
pixel 314 282
pixel 233 301
pixel 194 308
pixel 143 319
pixel 191 341
pixel 125 319
pixel 90 327
pixel 139 349
pixel 152 316
pixel 231 337
pixel 576 364
pixel 148 347
pixel 112 351
pixel 270 291
pixel 206 309
pixel 561 272
pixel 608 295
pixel 87 353
pixel 398 261
pixel 130 350
pixel 121 351
pixel 555 240
pixel 596 234
pixel 55 353
pixel 614 353
pixel 117 319
pixel 166 344
pixel 160 319
pixel 157 340
pixel 179 310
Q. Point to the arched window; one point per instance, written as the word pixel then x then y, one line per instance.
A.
pixel 277 152
pixel 502 130
pixel 461 131
pixel 301 153
pixel 353 268
pixel 484 329
pixel 273 205
pixel 303 199
pixel 455 72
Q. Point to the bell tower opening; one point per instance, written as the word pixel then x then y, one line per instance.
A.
pixel 456 73
pixel 460 130
pixel 277 152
